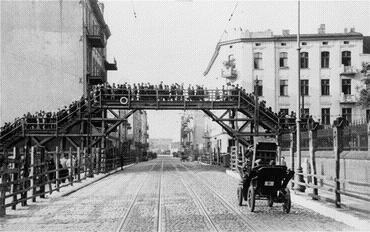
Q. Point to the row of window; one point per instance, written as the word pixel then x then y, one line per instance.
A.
pixel 325 87
pixel 283 59
pixel 303 43
pixel 325 114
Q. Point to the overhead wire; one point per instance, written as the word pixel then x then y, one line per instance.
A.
pixel 228 21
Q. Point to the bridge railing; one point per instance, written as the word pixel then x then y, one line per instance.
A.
pixel 165 95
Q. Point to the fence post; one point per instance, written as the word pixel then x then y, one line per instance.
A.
pixel 337 147
pixel 32 174
pixel 291 152
pixel 85 164
pixel 312 136
pixel 57 180
pixel 43 168
pixel 14 178
pixel 91 163
pixel 368 136
pixel 278 149
pixel 3 185
pixel 25 175
pixel 78 164
pixel 70 171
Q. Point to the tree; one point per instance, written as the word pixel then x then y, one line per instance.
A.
pixel 364 100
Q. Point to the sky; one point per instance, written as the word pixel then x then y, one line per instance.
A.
pixel 173 41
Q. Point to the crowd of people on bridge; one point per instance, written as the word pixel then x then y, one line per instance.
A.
pixel 45 119
pixel 141 92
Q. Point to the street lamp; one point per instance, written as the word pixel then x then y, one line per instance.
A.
pixel 299 177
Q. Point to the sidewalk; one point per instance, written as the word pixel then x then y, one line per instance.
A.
pixel 348 214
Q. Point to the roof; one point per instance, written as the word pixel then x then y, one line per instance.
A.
pixel 290 37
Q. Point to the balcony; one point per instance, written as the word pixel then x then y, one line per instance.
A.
pixel 229 73
pixel 95 36
pixel 348 71
pixel 96 78
pixel 110 66
pixel 347 99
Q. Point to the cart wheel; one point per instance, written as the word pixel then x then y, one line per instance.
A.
pixel 240 195
pixel 287 201
pixel 270 202
pixel 251 198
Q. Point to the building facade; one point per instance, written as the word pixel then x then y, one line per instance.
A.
pixel 51 52
pixel 330 63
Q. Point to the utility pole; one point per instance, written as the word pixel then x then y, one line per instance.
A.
pixel 299 177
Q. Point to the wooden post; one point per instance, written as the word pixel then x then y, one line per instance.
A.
pixel 368 136
pixel 32 174
pixel 14 178
pixel 43 170
pixel 3 185
pixel 337 137
pixel 278 150
pixel 291 151
pixel 25 175
pixel 312 135
pixel 57 180
pixel 91 163
pixel 85 164
pixel 70 168
pixel 78 164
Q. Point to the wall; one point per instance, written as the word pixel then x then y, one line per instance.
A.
pixel 41 56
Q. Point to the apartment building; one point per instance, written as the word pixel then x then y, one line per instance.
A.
pixel 51 53
pixel 330 64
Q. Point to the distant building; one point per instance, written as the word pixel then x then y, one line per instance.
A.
pixel 193 133
pixel 330 70
pixel 160 144
pixel 51 52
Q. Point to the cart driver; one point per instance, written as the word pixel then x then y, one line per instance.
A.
pixel 249 172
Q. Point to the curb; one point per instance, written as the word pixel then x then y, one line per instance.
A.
pixel 359 224
pixel 95 180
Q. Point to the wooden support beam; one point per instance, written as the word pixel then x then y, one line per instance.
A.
pixel 74 144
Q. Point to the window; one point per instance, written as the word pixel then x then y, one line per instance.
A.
pixel 283 59
pixel 259 88
pixel 325 43
pixel 346 42
pixel 346 58
pixel 325 59
pixel 346 86
pixel 347 114
pixel 284 111
pixel 306 112
pixel 304 59
pixel 257 60
pixel 325 116
pixel 304 43
pixel 283 44
pixel 325 87
pixel 283 87
pixel 304 87
pixel 258 44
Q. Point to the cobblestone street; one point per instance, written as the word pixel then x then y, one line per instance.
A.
pixel 162 195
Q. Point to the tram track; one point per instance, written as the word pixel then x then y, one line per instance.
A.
pixel 225 202
pixel 198 202
pixel 133 202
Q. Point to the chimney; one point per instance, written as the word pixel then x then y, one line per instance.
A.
pixel 346 30
pixel 352 29
pixel 321 29
pixel 286 32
